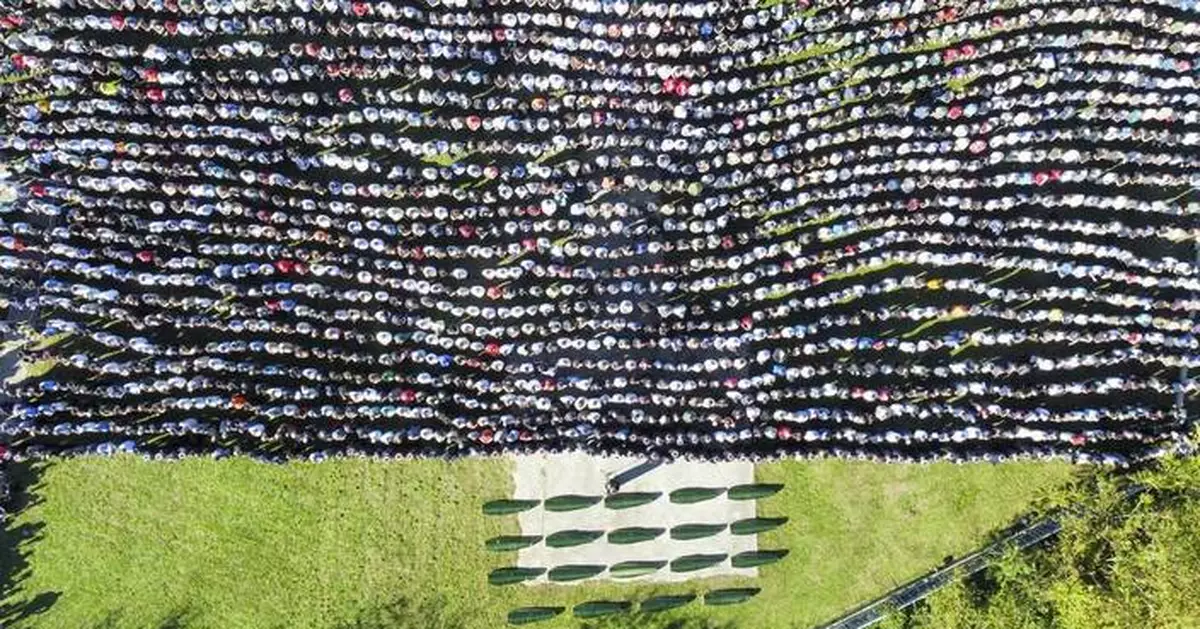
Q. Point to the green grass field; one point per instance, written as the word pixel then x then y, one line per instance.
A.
pixel 235 544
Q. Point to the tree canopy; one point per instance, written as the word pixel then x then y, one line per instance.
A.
pixel 1119 562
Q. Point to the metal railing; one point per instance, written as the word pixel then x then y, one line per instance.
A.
pixel 916 590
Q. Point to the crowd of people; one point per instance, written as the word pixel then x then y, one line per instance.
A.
pixel 898 230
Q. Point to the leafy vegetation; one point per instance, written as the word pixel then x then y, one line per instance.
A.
pixel 1119 562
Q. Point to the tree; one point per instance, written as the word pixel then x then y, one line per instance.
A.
pixel 1124 558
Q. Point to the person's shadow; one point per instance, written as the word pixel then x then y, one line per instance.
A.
pixel 16 543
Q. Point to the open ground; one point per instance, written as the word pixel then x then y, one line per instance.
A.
pixel 236 544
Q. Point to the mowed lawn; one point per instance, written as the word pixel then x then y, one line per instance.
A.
pixel 125 543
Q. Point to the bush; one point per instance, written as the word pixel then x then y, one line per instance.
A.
pixel 1120 561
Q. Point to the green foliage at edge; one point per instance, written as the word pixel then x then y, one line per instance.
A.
pixel 1118 562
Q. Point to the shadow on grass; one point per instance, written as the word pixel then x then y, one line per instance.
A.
pixel 654 621
pixel 175 619
pixel 16 545
pixel 433 614
pixel 405 614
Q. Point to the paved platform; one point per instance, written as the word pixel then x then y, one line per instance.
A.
pixel 546 476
